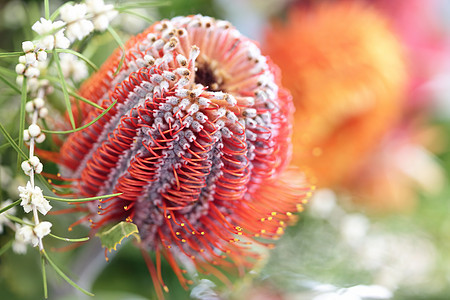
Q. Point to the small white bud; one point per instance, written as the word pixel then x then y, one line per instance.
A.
pixel 27 46
pixel 34 130
pixel 30 58
pixel 26 167
pixel 43 112
pixel 32 72
pixel 29 107
pixel 38 169
pixel 42 55
pixel 40 138
pixel 26 135
pixel 38 103
pixel 20 68
pixel 34 161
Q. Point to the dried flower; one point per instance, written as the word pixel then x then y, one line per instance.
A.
pixel 198 144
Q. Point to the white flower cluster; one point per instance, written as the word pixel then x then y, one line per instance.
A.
pixel 27 234
pixel 72 67
pixel 77 21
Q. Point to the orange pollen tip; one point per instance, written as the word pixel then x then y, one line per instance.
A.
pixel 49 180
pixel 70 228
pixel 166 289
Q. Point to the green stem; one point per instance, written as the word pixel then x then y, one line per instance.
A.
pixel 87 60
pixel 44 276
pixel 69 240
pixel 121 45
pixel 82 199
pixel 15 88
pixel 23 102
pixel 84 126
pixel 47 15
pixel 8 54
pixel 64 276
pixel 64 88
pixel 12 143
pixel 6 247
pixel 15 203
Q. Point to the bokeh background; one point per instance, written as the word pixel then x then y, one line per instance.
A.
pixel 371 85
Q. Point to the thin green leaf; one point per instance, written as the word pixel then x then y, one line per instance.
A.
pixel 141 4
pixel 9 54
pixel 47 15
pixel 12 143
pixel 6 247
pixel 15 203
pixel 110 237
pixel 84 126
pixel 64 88
pixel 87 60
pixel 17 220
pixel 44 276
pixel 64 276
pixel 8 72
pixel 130 12
pixel 23 101
pixel 82 199
pixel 85 100
pixel 121 45
pixel 15 88
pixel 69 240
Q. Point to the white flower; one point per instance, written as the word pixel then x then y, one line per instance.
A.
pixel 42 229
pixel 75 17
pixel 33 196
pixel 50 39
pixel 102 13
pixel 19 245
pixel 72 67
pixel 3 218
pixel 26 235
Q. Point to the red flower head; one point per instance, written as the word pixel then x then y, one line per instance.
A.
pixel 198 144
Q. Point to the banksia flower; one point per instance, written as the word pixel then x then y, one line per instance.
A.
pixel 197 143
pixel 346 72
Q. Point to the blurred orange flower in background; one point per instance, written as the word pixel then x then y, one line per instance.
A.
pixel 346 71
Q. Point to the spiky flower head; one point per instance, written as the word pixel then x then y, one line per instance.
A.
pixel 198 144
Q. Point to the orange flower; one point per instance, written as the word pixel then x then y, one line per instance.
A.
pixel 198 145
pixel 345 70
